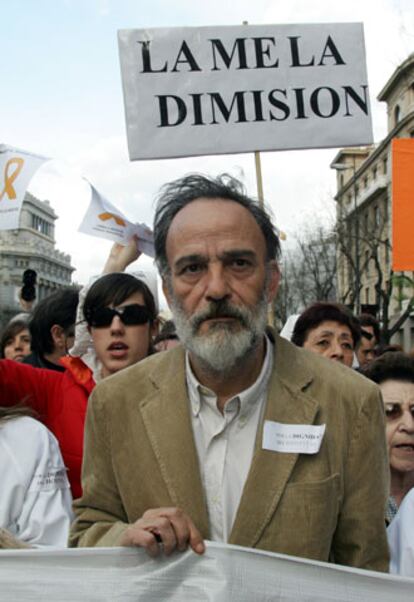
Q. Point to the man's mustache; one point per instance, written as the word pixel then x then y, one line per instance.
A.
pixel 220 309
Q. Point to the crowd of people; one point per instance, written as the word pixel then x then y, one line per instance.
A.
pixel 209 425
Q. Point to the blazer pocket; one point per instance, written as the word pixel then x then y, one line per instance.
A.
pixel 305 519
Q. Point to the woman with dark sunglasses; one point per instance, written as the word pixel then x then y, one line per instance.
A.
pixel 120 313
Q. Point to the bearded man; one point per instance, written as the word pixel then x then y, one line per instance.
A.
pixel 236 435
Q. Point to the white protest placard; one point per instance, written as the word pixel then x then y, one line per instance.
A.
pixel 17 167
pixel 104 220
pixel 214 90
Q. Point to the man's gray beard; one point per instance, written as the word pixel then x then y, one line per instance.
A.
pixel 226 344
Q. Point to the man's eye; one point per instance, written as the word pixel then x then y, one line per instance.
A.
pixel 192 268
pixel 323 343
pixel 347 346
pixel 392 410
pixel 240 263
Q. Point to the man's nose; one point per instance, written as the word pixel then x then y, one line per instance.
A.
pixel 217 283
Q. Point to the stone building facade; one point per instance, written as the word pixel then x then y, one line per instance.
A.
pixel 32 246
pixel 364 211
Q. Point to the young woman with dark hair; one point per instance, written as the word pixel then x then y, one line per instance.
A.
pixel 15 341
pixel 120 312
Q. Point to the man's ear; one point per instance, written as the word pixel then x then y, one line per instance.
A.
pixel 273 281
pixel 58 337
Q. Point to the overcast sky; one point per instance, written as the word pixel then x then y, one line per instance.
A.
pixel 61 96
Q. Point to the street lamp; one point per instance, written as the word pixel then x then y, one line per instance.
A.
pixel 342 167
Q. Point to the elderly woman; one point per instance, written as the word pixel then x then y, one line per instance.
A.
pixel 394 373
pixel 328 329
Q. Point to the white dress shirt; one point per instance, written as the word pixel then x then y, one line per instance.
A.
pixel 225 443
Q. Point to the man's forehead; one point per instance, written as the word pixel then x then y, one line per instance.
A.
pixel 219 222
pixel 210 207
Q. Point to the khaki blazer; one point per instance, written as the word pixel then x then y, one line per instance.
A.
pixel 140 454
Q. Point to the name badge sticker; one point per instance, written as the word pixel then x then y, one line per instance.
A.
pixel 292 438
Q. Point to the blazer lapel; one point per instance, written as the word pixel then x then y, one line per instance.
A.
pixel 270 471
pixel 166 415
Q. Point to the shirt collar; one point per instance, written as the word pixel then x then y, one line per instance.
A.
pixel 247 398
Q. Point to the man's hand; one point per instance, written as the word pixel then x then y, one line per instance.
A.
pixel 169 526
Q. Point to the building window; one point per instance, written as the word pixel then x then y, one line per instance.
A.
pixel 377 216
pixel 341 180
pixel 384 166
pixel 374 173
pixel 40 225
pixel 366 182
pixel 367 295
pixel 397 114
pixel 367 262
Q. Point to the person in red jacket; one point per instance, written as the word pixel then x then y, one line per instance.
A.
pixel 120 312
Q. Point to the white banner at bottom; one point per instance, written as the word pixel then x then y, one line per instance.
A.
pixel 223 574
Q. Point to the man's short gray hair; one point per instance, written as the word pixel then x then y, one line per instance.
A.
pixel 176 195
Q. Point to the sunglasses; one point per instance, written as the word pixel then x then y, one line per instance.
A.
pixel 130 315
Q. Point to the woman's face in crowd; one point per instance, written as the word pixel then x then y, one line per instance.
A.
pixel 118 346
pixel 18 347
pixel 332 340
pixel 398 399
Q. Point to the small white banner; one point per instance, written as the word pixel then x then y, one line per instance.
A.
pixel 17 168
pixel 104 220
pixel 292 438
pixel 214 90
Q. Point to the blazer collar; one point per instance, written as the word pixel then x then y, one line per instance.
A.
pixel 166 415
pixel 288 402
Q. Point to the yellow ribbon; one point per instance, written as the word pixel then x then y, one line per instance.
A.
pixel 9 179
pixel 105 216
